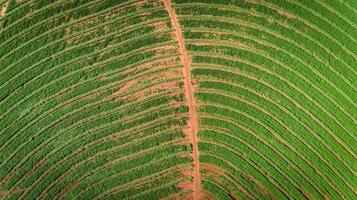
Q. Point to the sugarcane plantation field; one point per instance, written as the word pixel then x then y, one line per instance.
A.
pixel 178 99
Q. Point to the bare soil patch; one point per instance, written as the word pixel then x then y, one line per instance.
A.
pixel 138 89
pixel 36 167
pixel 160 26
pixel 69 186
pixel 4 8
pixel 7 177
pixel 6 193
pixel 306 194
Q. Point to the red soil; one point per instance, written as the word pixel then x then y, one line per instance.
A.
pixel 186 185
pixel 125 87
pixel 160 26
pixel 193 119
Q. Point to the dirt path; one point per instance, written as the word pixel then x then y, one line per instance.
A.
pixel 193 120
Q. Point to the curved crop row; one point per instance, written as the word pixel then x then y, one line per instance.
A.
pixel 178 99
pixel 90 94
pixel 275 84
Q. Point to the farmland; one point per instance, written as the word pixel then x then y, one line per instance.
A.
pixel 178 99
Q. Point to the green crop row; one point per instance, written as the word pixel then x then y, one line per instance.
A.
pixel 62 119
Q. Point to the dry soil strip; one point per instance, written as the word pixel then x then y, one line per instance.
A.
pixel 192 121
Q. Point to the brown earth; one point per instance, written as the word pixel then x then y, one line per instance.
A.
pixel 160 26
pixel 6 193
pixel 193 119
pixel 155 88
pixel 69 186
pixel 306 194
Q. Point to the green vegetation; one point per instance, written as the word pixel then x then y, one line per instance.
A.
pixel 64 127
pixel 277 95
pixel 92 99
